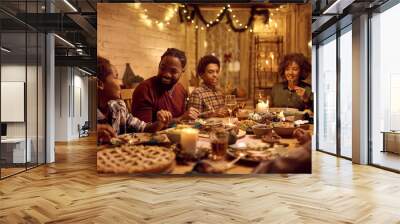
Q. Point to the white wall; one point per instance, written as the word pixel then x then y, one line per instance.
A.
pixel 33 127
pixel 69 85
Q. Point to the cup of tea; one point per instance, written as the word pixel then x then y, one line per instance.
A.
pixel 219 143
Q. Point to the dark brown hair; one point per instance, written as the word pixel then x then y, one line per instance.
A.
pixel 204 61
pixel 298 58
pixel 104 68
pixel 177 54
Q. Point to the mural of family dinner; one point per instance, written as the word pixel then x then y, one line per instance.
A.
pixel 204 89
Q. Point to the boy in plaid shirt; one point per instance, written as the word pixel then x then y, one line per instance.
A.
pixel 207 98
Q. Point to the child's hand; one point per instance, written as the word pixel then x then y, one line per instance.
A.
pixel 105 133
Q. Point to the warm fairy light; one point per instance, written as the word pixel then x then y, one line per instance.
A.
pixel 245 27
pixel 267 62
pixel 208 25
pixel 237 21
pixel 251 30
pixel 196 27
pixel 229 5
pixel 192 21
pixel 202 28
pixel 148 22
pixel 234 16
pixel 143 16
pixel 145 10
pixel 240 24
pixel 276 25
pixel 136 5
pixel 217 20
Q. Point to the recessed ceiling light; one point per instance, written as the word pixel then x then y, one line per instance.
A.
pixel 86 72
pixel 5 50
pixel 64 40
pixel 70 5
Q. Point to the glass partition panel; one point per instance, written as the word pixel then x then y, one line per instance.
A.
pixel 327 96
pixel 14 153
pixel 385 89
pixel 346 94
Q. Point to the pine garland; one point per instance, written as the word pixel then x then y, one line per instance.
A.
pixel 187 15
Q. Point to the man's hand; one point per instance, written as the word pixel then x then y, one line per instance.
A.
pixel 302 136
pixel 222 112
pixel 191 114
pixel 300 91
pixel 164 116
pixel 105 133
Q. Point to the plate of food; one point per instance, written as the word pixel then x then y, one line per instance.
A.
pixel 246 125
pixel 240 134
pixel 140 138
pixel 257 152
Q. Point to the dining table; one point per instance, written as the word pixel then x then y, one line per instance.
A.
pixel 241 167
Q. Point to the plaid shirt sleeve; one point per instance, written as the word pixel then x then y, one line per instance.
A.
pixel 135 123
pixel 121 117
pixel 195 100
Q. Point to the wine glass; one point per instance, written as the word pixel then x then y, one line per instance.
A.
pixel 230 103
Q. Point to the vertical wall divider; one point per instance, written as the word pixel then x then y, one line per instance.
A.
pixel 26 87
pixel 316 97
pixel 369 100
pixel 338 98
pixel 37 91
pixel 0 97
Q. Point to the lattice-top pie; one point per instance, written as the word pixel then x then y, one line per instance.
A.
pixel 135 159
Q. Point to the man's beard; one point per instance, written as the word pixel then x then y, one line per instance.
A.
pixel 165 86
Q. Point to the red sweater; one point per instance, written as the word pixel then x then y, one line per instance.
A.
pixel 149 97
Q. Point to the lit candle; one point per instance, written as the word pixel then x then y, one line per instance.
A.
pixel 189 137
pixel 262 107
pixel 281 116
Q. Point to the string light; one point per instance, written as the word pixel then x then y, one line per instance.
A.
pixel 169 14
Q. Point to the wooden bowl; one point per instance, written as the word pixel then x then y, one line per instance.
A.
pixel 285 132
pixel 261 129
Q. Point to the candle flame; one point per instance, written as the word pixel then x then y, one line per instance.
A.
pixel 281 116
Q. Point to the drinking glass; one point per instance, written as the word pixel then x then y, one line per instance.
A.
pixel 230 103
pixel 219 143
